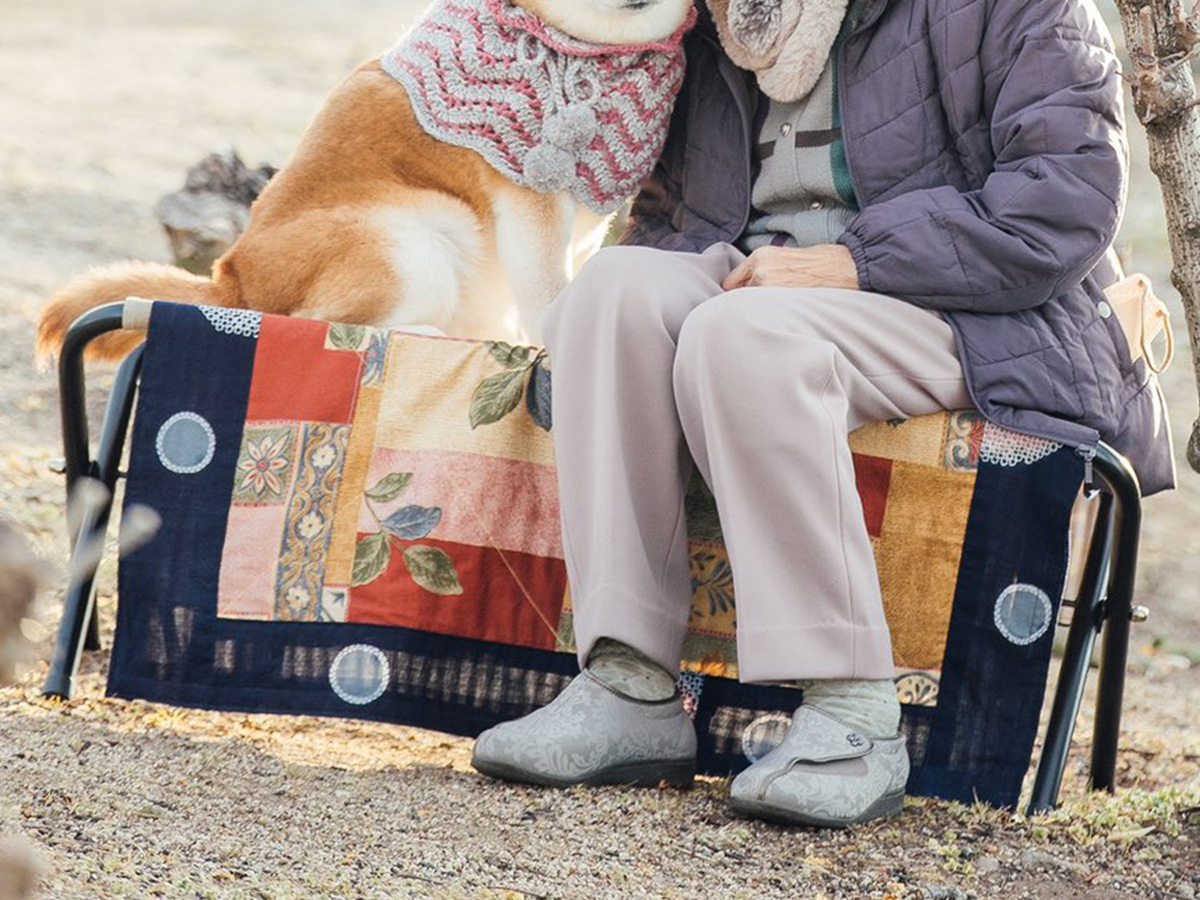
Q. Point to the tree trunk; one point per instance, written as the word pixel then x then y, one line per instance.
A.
pixel 1160 37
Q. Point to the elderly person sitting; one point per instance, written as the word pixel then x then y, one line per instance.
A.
pixel 864 211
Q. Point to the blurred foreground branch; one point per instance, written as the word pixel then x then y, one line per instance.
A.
pixel 1163 37
pixel 21 574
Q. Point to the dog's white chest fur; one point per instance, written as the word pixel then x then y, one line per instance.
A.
pixel 492 278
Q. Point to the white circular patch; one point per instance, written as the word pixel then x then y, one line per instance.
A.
pixel 1023 613
pixel 764 734
pixel 186 443
pixel 360 674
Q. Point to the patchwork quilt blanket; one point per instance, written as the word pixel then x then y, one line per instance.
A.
pixel 365 523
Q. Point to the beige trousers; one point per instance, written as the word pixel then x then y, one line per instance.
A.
pixel 655 366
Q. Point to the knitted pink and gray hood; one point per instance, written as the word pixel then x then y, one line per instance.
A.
pixel 550 112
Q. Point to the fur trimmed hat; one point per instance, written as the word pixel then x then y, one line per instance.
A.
pixel 786 43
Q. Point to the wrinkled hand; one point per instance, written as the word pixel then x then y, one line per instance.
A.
pixel 825 265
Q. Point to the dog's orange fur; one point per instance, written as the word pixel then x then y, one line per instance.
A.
pixel 310 248
pixel 375 222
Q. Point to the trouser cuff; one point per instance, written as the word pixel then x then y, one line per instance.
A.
pixel 621 617
pixel 815 652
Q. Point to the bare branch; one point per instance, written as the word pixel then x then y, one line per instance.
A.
pixel 1187 26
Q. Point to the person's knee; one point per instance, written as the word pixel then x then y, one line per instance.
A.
pixel 701 339
pixel 620 289
pixel 721 330
pixel 744 334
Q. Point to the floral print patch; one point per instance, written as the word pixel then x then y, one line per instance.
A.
pixel 264 467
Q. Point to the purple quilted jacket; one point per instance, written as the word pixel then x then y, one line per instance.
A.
pixel 986 143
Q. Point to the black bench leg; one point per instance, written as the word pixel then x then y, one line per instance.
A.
pixel 1072 674
pixel 92 640
pixel 79 603
pixel 1118 611
pixel 79 625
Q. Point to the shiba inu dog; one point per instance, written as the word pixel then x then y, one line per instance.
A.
pixel 455 181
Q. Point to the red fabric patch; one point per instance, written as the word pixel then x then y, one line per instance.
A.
pixel 977 439
pixel 873 476
pixel 494 605
pixel 296 379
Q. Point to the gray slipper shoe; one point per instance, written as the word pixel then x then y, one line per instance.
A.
pixel 590 734
pixel 824 774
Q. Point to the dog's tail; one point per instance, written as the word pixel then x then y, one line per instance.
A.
pixel 116 282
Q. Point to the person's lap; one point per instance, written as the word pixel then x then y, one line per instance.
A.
pixel 883 337
pixel 658 368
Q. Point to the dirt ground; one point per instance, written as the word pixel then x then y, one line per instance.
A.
pixel 102 108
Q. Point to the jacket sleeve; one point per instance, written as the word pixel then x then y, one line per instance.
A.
pixel 1051 206
pixel 650 216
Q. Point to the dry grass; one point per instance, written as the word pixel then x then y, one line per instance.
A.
pixel 133 800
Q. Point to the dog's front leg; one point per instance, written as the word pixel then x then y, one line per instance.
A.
pixel 533 241
pixel 587 236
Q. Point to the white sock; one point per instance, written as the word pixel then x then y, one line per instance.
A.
pixel 869 707
pixel 630 672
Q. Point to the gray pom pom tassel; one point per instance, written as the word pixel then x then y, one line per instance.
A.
pixel 549 168
pixel 572 128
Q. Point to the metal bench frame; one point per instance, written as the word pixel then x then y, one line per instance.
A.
pixel 1104 605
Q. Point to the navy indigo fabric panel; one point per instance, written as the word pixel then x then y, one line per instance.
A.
pixel 187 433
pixel 730 713
pixel 1002 626
pixel 450 684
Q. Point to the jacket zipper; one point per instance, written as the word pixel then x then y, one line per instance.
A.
pixel 1088 452
pixel 868 20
